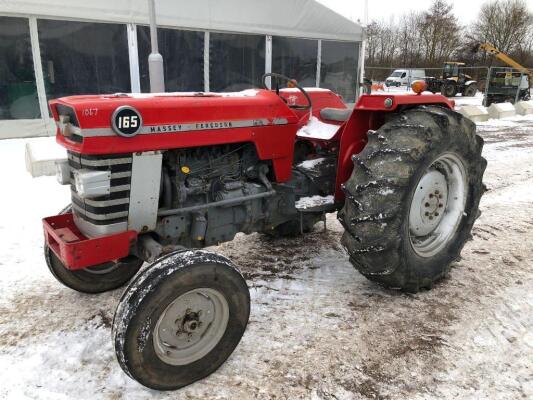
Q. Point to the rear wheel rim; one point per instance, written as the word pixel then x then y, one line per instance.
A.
pixel 438 205
pixel 191 326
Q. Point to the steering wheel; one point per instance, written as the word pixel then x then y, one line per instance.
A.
pixel 277 79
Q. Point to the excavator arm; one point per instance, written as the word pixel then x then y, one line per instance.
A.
pixel 503 57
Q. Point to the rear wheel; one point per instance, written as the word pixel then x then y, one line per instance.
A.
pixel 413 198
pixel 180 319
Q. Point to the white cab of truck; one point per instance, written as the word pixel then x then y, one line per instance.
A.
pixel 404 77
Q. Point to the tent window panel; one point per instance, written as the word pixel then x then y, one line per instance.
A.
pixel 183 55
pixel 295 58
pixel 237 62
pixel 338 70
pixel 83 58
pixel 18 92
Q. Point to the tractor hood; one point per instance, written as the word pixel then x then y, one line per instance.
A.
pixel 125 122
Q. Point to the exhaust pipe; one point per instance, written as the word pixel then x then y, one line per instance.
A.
pixel 155 60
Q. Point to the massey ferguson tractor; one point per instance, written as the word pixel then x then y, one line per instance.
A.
pixel 155 178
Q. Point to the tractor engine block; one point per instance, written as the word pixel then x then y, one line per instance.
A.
pixel 195 180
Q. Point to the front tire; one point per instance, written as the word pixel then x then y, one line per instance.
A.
pixel 449 89
pixel 92 280
pixel 413 198
pixel 97 279
pixel 470 90
pixel 180 319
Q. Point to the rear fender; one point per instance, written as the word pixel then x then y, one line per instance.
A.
pixel 370 113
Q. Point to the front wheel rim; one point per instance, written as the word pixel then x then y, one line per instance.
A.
pixel 191 326
pixel 438 205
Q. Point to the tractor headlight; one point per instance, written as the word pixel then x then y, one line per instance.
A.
pixel 92 183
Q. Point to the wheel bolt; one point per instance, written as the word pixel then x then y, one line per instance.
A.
pixel 436 214
pixel 427 204
pixel 427 213
pixel 431 195
pixel 431 217
pixel 440 196
pixel 436 192
pixel 440 205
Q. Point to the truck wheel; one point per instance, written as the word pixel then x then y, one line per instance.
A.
pixel 180 319
pixel 448 90
pixel 97 279
pixel 413 197
pixel 470 90
pixel 482 84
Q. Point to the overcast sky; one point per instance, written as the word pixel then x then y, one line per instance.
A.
pixel 465 10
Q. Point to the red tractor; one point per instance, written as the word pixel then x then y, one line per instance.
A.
pixel 156 177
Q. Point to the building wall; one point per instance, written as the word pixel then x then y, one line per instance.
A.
pixel 41 59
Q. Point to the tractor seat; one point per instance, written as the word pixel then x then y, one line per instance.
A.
pixel 335 114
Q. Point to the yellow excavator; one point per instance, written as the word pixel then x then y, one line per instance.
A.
pixel 503 57
pixel 505 84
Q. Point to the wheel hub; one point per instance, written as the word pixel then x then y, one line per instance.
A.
pixel 191 326
pixel 438 205
pixel 427 207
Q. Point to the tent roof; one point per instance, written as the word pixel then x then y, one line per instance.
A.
pixel 296 18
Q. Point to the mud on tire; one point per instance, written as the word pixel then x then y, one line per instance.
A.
pixel 153 333
pixel 382 186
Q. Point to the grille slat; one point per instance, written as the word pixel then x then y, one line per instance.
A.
pixel 107 209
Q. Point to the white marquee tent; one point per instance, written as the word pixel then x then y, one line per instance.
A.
pixel 101 28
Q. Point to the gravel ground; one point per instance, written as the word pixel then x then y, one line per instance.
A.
pixel 318 329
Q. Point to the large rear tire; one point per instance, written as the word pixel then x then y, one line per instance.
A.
pixel 413 197
pixel 180 319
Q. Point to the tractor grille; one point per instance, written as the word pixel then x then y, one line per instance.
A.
pixel 111 208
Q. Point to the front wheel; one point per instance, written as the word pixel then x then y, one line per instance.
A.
pixel 98 279
pixel 470 90
pixel 448 89
pixel 180 319
pixel 413 198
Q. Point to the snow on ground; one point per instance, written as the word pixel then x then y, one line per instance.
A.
pixel 318 329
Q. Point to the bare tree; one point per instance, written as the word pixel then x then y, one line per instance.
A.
pixel 506 24
pixel 440 32
pixel 428 38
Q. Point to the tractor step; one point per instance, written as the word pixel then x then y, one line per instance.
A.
pixel 77 251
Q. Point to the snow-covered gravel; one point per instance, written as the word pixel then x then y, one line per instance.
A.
pixel 318 329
